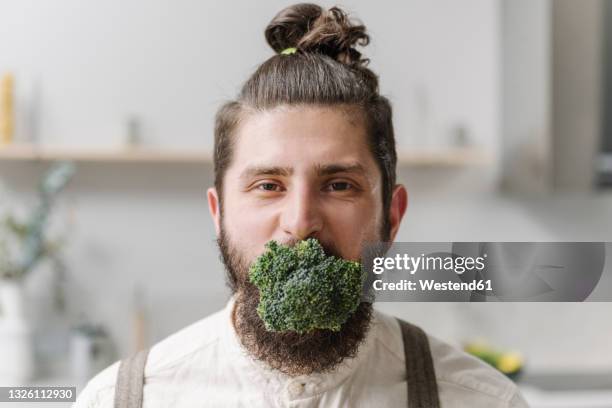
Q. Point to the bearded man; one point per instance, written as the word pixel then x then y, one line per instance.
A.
pixel 306 151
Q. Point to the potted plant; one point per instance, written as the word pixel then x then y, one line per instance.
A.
pixel 23 245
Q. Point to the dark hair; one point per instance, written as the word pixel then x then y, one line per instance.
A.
pixel 325 70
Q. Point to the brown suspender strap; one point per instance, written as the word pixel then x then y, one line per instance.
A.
pixel 130 381
pixel 420 373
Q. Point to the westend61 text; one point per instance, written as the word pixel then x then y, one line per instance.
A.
pixel 429 285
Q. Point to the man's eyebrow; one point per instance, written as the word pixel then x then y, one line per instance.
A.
pixel 253 171
pixel 329 169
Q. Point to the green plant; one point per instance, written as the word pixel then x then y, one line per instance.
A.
pixel 302 289
pixel 23 243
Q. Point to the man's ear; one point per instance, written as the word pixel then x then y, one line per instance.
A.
pixel 214 208
pixel 399 203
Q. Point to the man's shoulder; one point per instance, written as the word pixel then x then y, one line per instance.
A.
pixel 179 346
pixel 463 373
pixel 457 372
pixel 172 350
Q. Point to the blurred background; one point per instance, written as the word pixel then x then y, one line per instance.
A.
pixel 503 132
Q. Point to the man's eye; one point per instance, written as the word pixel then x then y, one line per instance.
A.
pixel 340 186
pixel 269 187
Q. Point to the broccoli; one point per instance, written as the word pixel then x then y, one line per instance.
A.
pixel 302 289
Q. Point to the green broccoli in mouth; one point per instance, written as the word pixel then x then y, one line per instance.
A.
pixel 302 289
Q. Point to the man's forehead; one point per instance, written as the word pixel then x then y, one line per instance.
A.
pixel 293 126
pixel 291 141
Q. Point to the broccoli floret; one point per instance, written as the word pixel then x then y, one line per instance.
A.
pixel 302 289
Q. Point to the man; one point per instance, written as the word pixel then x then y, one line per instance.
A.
pixel 307 151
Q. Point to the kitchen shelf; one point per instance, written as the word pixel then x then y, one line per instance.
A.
pixel 136 154
pixel 445 157
pixel 430 157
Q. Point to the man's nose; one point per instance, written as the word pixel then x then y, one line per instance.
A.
pixel 301 217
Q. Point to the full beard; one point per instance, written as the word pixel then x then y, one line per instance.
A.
pixel 320 350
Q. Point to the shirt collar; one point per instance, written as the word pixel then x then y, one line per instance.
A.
pixel 319 382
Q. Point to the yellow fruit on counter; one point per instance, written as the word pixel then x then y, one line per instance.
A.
pixel 510 362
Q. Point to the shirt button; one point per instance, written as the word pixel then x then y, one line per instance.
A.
pixel 295 388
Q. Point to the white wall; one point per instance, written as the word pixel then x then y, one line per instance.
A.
pixel 173 62
pixel 526 95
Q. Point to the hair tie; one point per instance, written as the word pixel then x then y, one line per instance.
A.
pixel 288 51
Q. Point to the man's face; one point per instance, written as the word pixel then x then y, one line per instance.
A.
pixel 300 172
pixel 297 173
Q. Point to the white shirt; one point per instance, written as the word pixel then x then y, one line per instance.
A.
pixel 204 365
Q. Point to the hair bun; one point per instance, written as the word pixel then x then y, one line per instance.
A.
pixel 309 28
